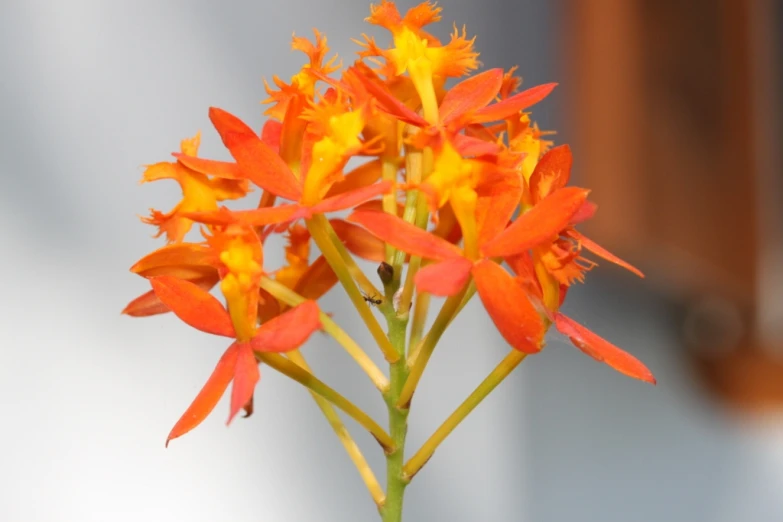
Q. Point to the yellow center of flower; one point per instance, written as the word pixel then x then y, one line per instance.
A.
pixel 239 284
pixel 330 154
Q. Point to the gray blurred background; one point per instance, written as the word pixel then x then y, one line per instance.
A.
pixel 89 92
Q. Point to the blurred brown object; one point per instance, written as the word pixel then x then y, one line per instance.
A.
pixel 677 112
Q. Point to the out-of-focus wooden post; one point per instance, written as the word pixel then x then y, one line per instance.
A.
pixel 674 130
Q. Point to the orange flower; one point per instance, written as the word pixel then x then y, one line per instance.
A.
pixel 258 163
pixel 238 364
pixel 508 300
pixel 200 193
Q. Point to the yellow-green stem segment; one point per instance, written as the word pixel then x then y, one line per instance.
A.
pixel 497 376
pixel 291 298
pixel 307 379
pixel 391 511
pixel 342 433
pixel 318 231
pixel 421 355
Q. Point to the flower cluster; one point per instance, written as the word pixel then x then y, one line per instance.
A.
pixel 452 190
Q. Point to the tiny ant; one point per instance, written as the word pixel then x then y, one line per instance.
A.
pixel 372 299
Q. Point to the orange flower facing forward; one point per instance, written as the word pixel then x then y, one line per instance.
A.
pixel 241 259
pixel 260 164
pixel 200 192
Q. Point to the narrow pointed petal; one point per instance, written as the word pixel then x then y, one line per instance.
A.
pixel 494 211
pixel 145 305
pixel 539 225
pixel 246 376
pixel 585 212
pixel 288 331
pixel 208 397
pixel 602 252
pixel 182 260
pixel 362 176
pixel 258 161
pixel 270 134
pixel 318 279
pixel 220 169
pixel 149 304
pixel 471 94
pixel 351 199
pixel 509 307
pixel 469 146
pixel 193 305
pixel 602 350
pixel 359 241
pixel 390 103
pixel 257 217
pixel 445 278
pixel 551 173
pixel 405 236
pixel 514 104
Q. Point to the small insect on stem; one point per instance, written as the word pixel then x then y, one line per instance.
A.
pixel 372 299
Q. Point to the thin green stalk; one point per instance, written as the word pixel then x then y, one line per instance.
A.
pixel 419 359
pixel 307 379
pixel 342 433
pixel 291 298
pixel 398 424
pixel 497 376
pixel 320 235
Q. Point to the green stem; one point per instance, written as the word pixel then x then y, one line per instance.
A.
pixel 307 379
pixel 398 424
pixel 345 437
pixel 421 353
pixel 497 376
pixel 317 227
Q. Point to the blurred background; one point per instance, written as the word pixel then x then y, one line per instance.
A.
pixel 673 110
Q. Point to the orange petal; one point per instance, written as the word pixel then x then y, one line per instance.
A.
pixel 445 278
pixel 471 94
pixel 182 260
pixel 220 169
pixel 602 252
pixel 551 173
pixel 270 134
pixel 257 160
pixel 514 104
pixel 509 307
pixel 539 225
pixel 361 176
pixel 495 209
pixel 388 101
pixel 193 305
pixel 246 376
pixel 148 303
pixel 350 199
pixel 585 212
pixel 405 236
pixel 208 397
pixel 288 331
pixel 257 217
pixel 602 350
pixel 469 146
pixel 359 241
pixel 268 306
pixel 145 305
pixel 318 279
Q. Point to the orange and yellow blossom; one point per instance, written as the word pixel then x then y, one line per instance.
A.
pixel 240 257
pixel 487 209
pixel 200 192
